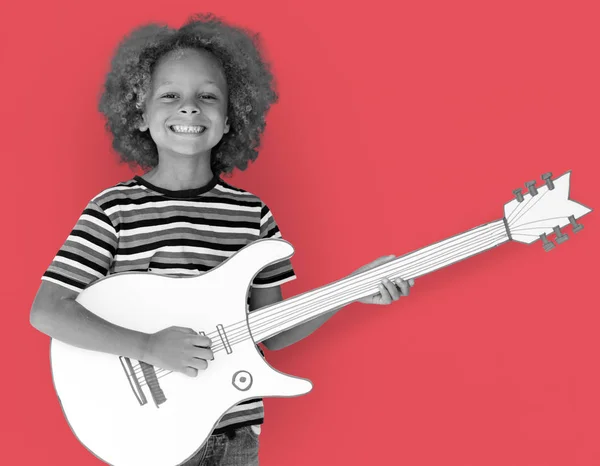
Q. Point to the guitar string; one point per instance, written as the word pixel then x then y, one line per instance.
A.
pixel 536 221
pixel 235 337
pixel 408 272
pixel 518 209
pixel 524 208
pixel 396 268
pixel 292 313
pixel 233 340
pixel 529 230
pixel 535 199
pixel 400 267
pixel 511 221
pixel 527 234
pixel 414 261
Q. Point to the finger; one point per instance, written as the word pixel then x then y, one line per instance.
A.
pixel 203 353
pixel 198 364
pixel 404 286
pixel 190 371
pixel 202 340
pixel 411 282
pixel 398 282
pixel 392 289
pixel 385 295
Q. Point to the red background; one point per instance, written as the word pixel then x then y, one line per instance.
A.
pixel 399 124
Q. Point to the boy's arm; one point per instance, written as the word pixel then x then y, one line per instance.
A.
pixel 56 313
pixel 260 297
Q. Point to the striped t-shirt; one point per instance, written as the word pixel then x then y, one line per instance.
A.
pixel 136 226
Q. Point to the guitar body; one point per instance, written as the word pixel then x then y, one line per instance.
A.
pixel 99 398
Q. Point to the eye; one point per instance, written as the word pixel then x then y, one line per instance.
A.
pixel 207 97
pixel 169 95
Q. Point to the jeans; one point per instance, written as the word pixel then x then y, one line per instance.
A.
pixel 239 449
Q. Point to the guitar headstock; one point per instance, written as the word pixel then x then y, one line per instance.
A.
pixel 543 210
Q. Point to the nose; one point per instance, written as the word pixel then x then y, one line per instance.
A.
pixel 189 108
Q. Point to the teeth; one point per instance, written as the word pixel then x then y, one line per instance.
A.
pixel 187 129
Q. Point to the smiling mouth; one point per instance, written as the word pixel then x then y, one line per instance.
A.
pixel 187 129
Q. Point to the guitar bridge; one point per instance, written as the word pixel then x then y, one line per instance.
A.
pixel 145 375
pixel 134 382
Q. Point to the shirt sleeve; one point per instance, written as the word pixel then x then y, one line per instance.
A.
pixel 280 272
pixel 87 253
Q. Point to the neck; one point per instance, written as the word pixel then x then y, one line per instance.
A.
pixel 271 320
pixel 179 173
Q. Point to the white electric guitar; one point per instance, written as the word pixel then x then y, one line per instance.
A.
pixel 128 413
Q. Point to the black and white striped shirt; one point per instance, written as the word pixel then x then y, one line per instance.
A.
pixel 136 226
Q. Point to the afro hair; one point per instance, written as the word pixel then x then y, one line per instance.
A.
pixel 249 80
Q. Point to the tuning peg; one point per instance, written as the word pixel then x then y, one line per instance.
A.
pixel 576 226
pixel 547 177
pixel 530 185
pixel 560 236
pixel 548 245
pixel 517 193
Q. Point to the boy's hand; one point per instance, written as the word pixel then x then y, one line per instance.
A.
pixel 178 349
pixel 388 291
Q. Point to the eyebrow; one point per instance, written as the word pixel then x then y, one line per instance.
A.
pixel 171 82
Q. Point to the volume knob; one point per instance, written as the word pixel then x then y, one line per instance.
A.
pixel 242 380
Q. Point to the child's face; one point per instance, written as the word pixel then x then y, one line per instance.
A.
pixel 186 109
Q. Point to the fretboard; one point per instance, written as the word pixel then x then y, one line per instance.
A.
pixel 271 320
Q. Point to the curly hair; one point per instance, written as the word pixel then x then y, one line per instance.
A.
pixel 249 80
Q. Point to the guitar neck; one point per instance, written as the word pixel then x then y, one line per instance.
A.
pixel 276 318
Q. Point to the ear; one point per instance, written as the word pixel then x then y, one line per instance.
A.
pixel 226 130
pixel 144 124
